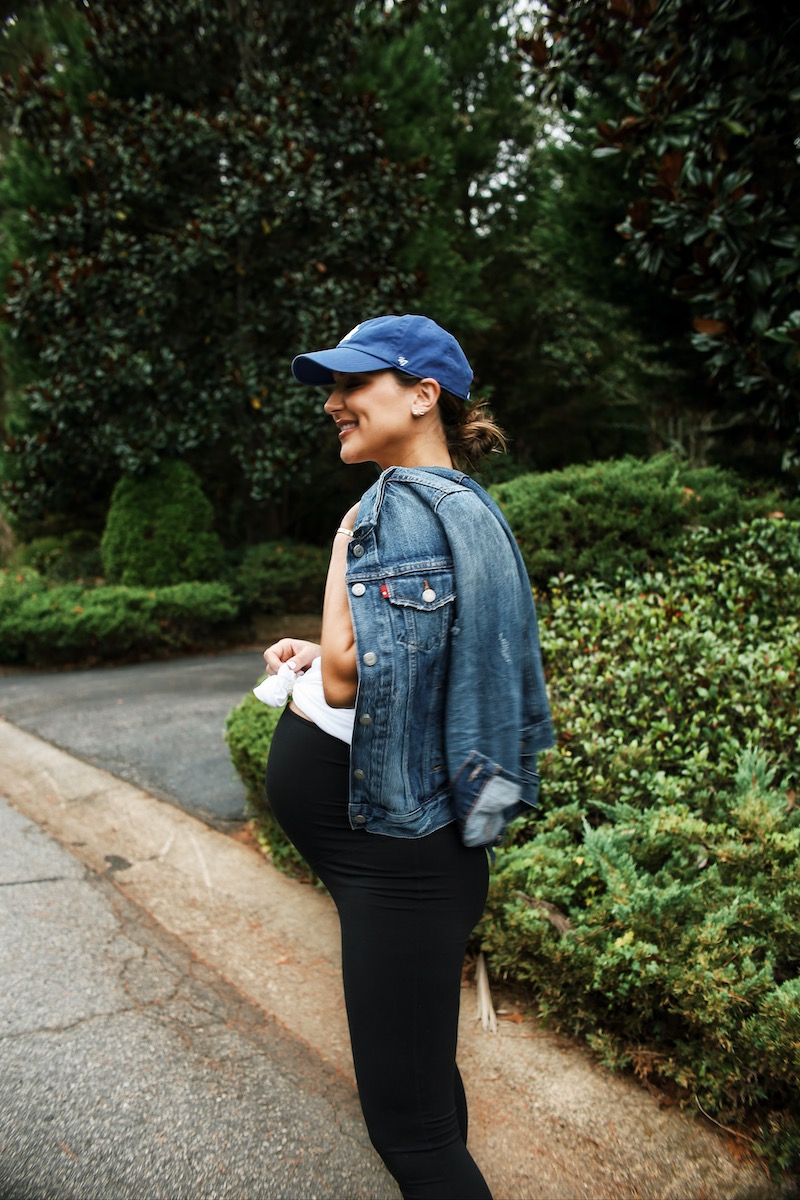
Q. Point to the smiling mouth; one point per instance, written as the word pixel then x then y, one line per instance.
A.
pixel 346 427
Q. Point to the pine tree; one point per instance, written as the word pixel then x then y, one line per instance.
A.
pixel 448 79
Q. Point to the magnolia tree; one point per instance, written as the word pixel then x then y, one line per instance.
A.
pixel 703 101
pixel 191 193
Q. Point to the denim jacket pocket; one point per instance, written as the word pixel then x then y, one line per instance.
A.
pixel 424 602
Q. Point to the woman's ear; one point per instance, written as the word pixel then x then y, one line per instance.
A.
pixel 426 394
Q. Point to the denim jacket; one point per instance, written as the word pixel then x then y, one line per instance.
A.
pixel 451 708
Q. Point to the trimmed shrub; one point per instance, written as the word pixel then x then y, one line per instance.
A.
pixel 284 576
pixel 65 559
pixel 6 540
pixel 592 521
pixel 17 586
pixel 654 906
pixel 42 625
pixel 159 530
pixel 248 732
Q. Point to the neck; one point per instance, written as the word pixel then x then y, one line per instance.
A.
pixel 424 452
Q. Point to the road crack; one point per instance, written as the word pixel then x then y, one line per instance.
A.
pixel 27 882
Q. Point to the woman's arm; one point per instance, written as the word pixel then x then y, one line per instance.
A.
pixel 339 670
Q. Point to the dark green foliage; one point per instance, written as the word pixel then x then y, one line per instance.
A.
pixel 214 197
pixel 671 943
pixel 623 514
pixel 278 577
pixel 42 625
pixel 248 732
pixel 17 586
pixel 62 559
pixel 586 357
pixel 158 531
pixel 7 540
pixel 517 252
pixel 704 104
pixel 655 905
pixel 450 96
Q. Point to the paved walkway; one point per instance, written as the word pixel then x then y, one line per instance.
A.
pixel 263 949
pixel 129 1070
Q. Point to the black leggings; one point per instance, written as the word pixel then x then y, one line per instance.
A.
pixel 407 907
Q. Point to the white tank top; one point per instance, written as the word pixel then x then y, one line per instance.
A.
pixel 309 697
pixel 307 692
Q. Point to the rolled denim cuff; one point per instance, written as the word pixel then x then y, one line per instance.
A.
pixel 485 798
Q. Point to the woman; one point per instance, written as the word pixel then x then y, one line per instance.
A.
pixel 429 662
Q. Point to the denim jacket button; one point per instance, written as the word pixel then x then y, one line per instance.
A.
pixel 361 820
pixel 365 720
pixel 370 658
pixel 358 551
pixel 358 589
pixel 429 595
pixel 358 774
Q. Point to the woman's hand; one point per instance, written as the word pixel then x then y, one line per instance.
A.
pixel 298 654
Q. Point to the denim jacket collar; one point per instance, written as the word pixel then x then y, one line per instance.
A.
pixel 369 511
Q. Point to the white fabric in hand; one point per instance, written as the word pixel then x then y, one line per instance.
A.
pixel 277 689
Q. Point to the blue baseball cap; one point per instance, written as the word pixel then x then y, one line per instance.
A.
pixel 416 345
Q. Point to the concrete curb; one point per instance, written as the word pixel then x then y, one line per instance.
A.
pixel 545 1121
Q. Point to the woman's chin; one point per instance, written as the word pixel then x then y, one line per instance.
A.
pixel 350 455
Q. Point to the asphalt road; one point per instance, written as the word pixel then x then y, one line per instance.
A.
pixel 156 725
pixel 130 1071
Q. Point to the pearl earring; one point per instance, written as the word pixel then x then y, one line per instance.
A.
pixel 416 412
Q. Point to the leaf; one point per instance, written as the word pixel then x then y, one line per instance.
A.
pixel 670 167
pixel 709 326
pixel 736 127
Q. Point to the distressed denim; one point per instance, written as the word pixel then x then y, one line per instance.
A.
pixel 451 709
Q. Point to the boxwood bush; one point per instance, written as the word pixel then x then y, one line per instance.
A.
pixel 248 732
pixel 630 514
pixel 43 625
pixel 159 530
pixel 653 905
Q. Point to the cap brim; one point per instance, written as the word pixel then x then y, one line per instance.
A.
pixel 319 367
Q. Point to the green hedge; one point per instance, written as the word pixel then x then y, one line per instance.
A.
pixel 653 906
pixel 42 625
pixel 624 514
pixel 248 732
pixel 159 530
pixel 281 576
pixel 66 558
